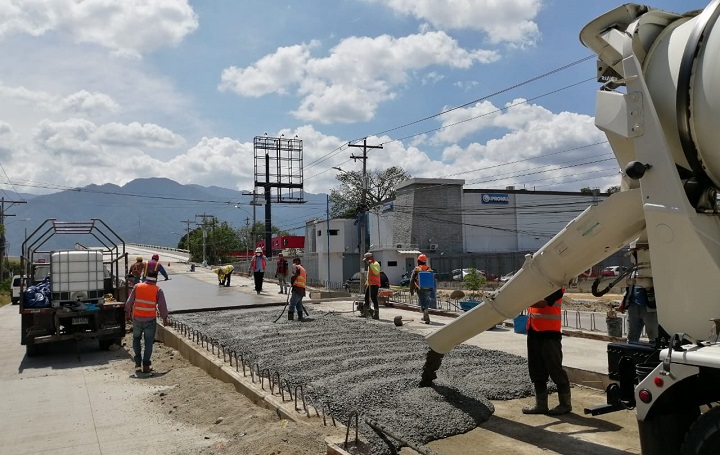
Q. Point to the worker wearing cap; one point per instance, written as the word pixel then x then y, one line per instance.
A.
pixel 154 267
pixel 281 273
pixel 297 281
pixel 143 304
pixel 136 270
pixel 257 268
pixel 372 283
pixel 424 294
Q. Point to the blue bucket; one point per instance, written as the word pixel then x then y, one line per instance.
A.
pixel 520 324
pixel 468 305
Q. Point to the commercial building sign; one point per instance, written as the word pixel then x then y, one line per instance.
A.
pixel 495 198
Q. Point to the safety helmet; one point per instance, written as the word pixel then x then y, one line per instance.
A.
pixel 368 255
pixel 258 250
pixel 139 258
pixel 156 256
pixel 422 258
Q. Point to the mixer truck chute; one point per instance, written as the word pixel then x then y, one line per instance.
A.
pixel 658 105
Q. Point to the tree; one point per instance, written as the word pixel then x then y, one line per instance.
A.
pixel 613 189
pixel 347 198
pixel 586 190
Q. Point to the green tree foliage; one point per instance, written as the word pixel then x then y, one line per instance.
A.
pixel 474 281
pixel 586 190
pixel 345 200
pixel 613 189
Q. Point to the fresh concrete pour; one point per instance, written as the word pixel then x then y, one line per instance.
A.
pixel 372 368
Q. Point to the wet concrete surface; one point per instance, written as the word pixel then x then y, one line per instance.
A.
pixel 184 292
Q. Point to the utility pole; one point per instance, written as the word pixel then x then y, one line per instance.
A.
pixel 187 239
pixel 2 232
pixel 247 234
pixel 204 221
pixel 363 203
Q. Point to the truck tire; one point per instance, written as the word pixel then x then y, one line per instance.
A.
pixel 703 437
pixel 32 350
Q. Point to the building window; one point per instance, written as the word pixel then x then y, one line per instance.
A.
pixel 319 233
pixel 333 231
pixel 392 263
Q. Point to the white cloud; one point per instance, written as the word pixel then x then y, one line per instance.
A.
pixel 358 74
pixel 509 21
pixel 130 27
pixel 84 101
pixel 5 128
pixel 78 102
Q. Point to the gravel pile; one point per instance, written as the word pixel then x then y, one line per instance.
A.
pixel 373 368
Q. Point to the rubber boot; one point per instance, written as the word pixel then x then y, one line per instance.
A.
pixel 365 313
pixel 291 315
pixel 376 311
pixel 301 316
pixel 426 316
pixel 564 407
pixel 541 400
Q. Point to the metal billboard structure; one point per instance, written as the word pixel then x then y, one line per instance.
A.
pixel 279 172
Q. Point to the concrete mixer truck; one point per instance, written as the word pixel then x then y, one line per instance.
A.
pixel 658 104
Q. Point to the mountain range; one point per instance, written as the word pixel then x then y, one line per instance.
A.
pixel 150 211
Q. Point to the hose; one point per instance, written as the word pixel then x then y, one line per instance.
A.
pixel 620 277
pixel 287 301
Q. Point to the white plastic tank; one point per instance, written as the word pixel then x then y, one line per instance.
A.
pixel 73 271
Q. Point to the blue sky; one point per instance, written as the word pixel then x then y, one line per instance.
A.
pixel 102 91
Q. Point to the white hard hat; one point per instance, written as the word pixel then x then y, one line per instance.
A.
pixel 258 250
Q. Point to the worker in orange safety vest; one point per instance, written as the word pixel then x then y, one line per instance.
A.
pixel 298 282
pixel 143 304
pixel 544 345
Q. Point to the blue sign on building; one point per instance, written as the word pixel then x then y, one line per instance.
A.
pixel 495 198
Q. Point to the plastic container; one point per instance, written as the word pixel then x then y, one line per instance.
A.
pixel 74 273
pixel 426 280
pixel 520 324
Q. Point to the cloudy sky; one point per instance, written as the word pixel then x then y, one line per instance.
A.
pixel 106 91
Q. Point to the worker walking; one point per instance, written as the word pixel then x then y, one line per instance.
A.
pixel 257 268
pixel 281 273
pixel 137 270
pixel 154 267
pixel 297 281
pixel 424 290
pixel 143 304
pixel 372 283
pixel 544 345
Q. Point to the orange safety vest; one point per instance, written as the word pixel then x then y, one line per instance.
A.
pixel 145 300
pixel 373 278
pixel 301 278
pixel 548 319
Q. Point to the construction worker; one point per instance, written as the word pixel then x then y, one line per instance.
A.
pixel 224 273
pixel 137 270
pixel 154 267
pixel 257 267
pixel 372 283
pixel 281 273
pixel 424 293
pixel 297 281
pixel 544 345
pixel 143 304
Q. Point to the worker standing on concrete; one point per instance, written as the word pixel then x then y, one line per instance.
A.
pixel 137 270
pixel 154 267
pixel 423 289
pixel 281 273
pixel 145 301
pixel 297 280
pixel 372 283
pixel 257 268
pixel 544 345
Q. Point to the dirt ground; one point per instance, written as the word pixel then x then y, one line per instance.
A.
pixel 189 395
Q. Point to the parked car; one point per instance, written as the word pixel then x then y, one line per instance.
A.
pixel 614 270
pixel 353 284
pixel 460 274
pixel 16 280
pixel 507 276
